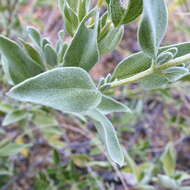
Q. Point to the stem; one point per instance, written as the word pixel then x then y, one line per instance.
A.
pixel 150 71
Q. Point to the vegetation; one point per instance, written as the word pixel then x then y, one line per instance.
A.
pixel 43 82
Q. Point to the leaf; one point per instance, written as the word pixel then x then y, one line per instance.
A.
pixel 108 135
pixel 168 160
pixel 153 26
pixel 139 62
pixel 132 165
pixel 164 58
pixel 154 81
pixel 66 89
pixel 18 64
pixel 109 105
pixel 15 116
pixel 146 187
pixel 5 108
pixel 131 65
pixel 83 50
pixel 43 119
pixel 168 182
pixel 12 149
pixel 111 40
pixel 124 14
pixel 50 55
pixel 32 52
pixel 34 35
pixel 175 73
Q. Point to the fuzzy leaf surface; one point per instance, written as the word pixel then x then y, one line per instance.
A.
pixel 66 89
pixel 153 26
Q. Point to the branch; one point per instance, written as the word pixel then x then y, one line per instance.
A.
pixel 150 71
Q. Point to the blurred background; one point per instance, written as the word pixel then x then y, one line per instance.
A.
pixel 67 153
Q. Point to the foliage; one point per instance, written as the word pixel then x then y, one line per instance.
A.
pixel 43 77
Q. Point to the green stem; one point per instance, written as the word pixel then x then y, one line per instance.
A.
pixel 150 71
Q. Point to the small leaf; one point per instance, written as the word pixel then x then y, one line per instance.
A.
pixel 132 165
pixel 50 55
pixel 67 89
pixel 83 50
pixel 131 65
pixel 111 40
pixel 154 81
pixel 168 182
pixel 139 62
pixel 146 187
pixel 168 160
pixel 153 26
pixel 109 137
pixel 12 149
pixel 175 73
pixel 109 105
pixel 164 58
pixel 15 116
pixel 19 65
pixel 34 35
pixel 32 52
pixel 124 14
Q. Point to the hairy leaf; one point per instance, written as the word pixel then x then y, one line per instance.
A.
pixel 108 135
pixel 124 14
pixel 168 160
pixel 83 50
pixel 139 62
pixel 15 116
pixel 19 65
pixel 111 40
pixel 109 105
pixel 67 89
pixel 153 26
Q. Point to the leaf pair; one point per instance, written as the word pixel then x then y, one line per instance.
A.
pixel 140 62
pixel 71 89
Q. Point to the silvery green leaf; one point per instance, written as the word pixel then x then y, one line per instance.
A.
pixel 12 149
pixel 131 65
pixel 153 26
pixel 111 40
pixel 50 55
pixel 108 135
pixel 34 35
pixel 61 51
pixel 132 165
pixel 185 188
pixel 83 8
pixel 175 73
pixel 124 14
pixel 168 160
pixel 44 42
pixel 146 187
pixel 109 105
pixel 84 54
pixel 15 116
pixel 32 52
pixel 67 89
pixel 5 108
pixel 164 58
pixel 43 119
pixel 140 62
pixel 18 64
pixel 168 182
pixel 134 9
pixel 154 81
pixel 116 11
